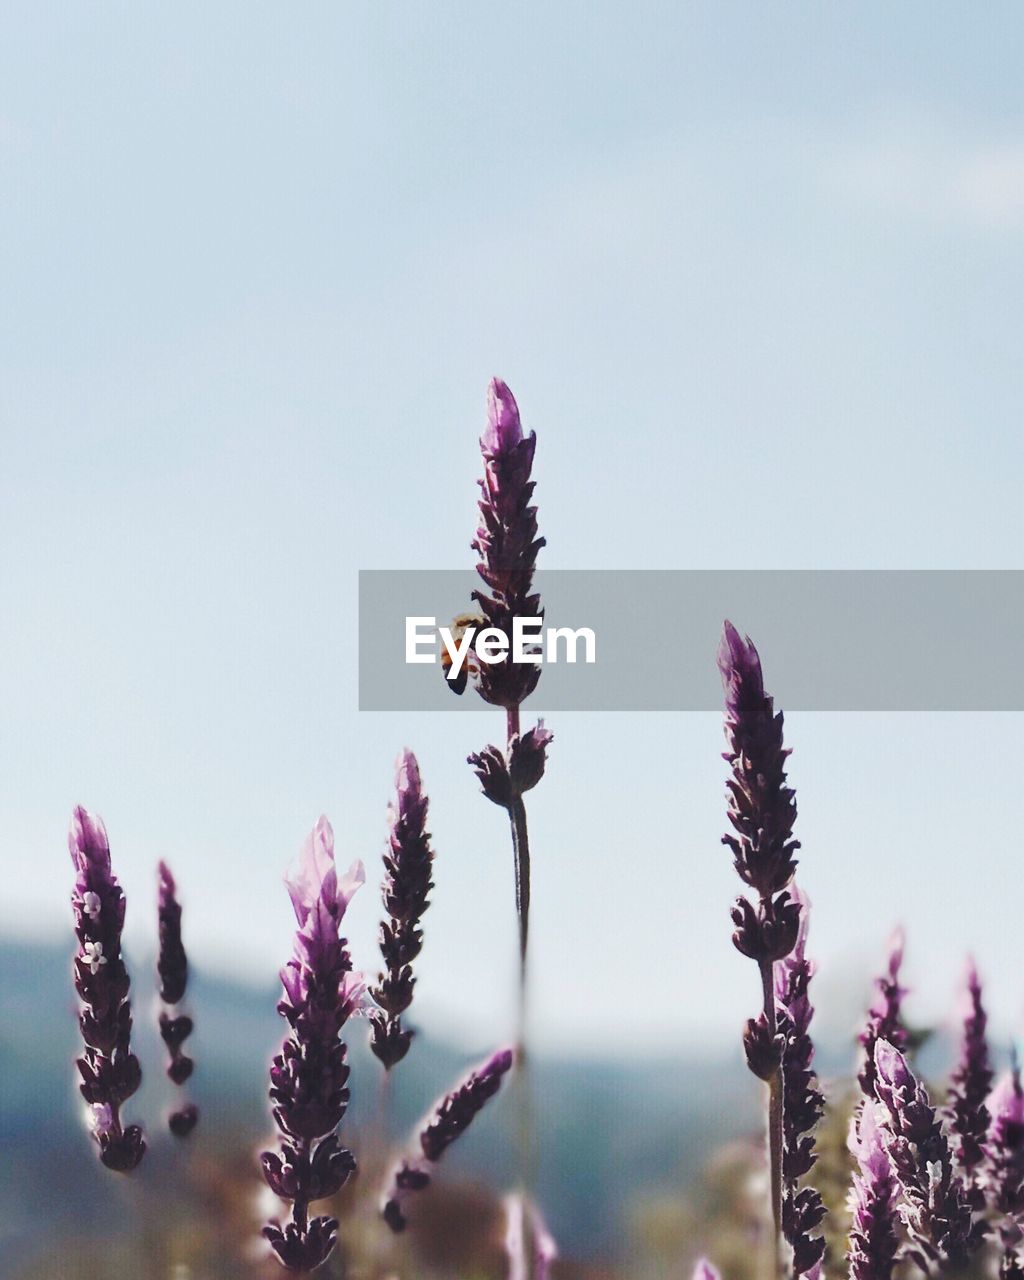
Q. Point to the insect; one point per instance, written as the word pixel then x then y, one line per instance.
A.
pixel 461 623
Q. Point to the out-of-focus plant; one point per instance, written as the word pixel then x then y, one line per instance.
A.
pixel 309 1077
pixel 874 1200
pixel 527 1239
pixel 885 1014
pixel 802 1101
pixel 934 1202
pixel 109 1070
pixel 448 1119
pixel 172 970
pixel 971 1082
pixel 1004 1169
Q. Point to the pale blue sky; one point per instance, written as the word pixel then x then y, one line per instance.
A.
pixel 754 274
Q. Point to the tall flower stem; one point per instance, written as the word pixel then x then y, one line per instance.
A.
pixel 524 1095
pixel 521 859
pixel 507 544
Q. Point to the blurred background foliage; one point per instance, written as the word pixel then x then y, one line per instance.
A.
pixel 644 1165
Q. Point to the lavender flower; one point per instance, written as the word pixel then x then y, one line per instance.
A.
pixel 110 1071
pixel 762 811
pixel 408 864
pixel 884 1020
pixel 308 1078
pixel 802 1101
pixel 524 1223
pixel 172 968
pixel 447 1120
pixel 873 1202
pixel 1004 1155
pixel 506 775
pixel 936 1209
pixel 507 543
pixel 971 1082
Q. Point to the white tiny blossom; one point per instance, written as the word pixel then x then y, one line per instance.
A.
pixel 102 1117
pixel 91 904
pixel 355 993
pixel 92 954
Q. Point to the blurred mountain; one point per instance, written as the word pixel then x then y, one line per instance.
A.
pixel 609 1133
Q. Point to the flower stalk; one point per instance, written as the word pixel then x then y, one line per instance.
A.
pixel 874 1200
pixel 408 864
pixel 1004 1168
pixel 175 1024
pixel 885 1015
pixel 762 812
pixel 935 1208
pixel 802 1102
pixel 507 544
pixel 309 1077
pixel 447 1120
pixel 109 1070
pixel 971 1082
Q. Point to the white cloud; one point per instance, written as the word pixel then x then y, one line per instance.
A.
pixel 977 185
pixel 990 185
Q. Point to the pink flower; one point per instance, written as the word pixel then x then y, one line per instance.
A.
pixel 520 1211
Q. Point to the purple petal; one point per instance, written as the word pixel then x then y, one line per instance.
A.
pixel 504 429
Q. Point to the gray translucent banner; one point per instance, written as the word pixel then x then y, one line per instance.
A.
pixel 857 640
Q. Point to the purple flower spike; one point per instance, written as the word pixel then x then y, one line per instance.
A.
pixel 408 864
pixel 873 1203
pixel 970 1085
pixel 524 1221
pixel 1004 1145
pixel 309 1077
pixel 172 968
pixel 504 430
pixel 448 1119
pixel 762 812
pixel 507 543
pixel 1004 1154
pixel 762 809
pixel 802 1101
pixel 884 1020
pixel 110 1071
pixel 936 1209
